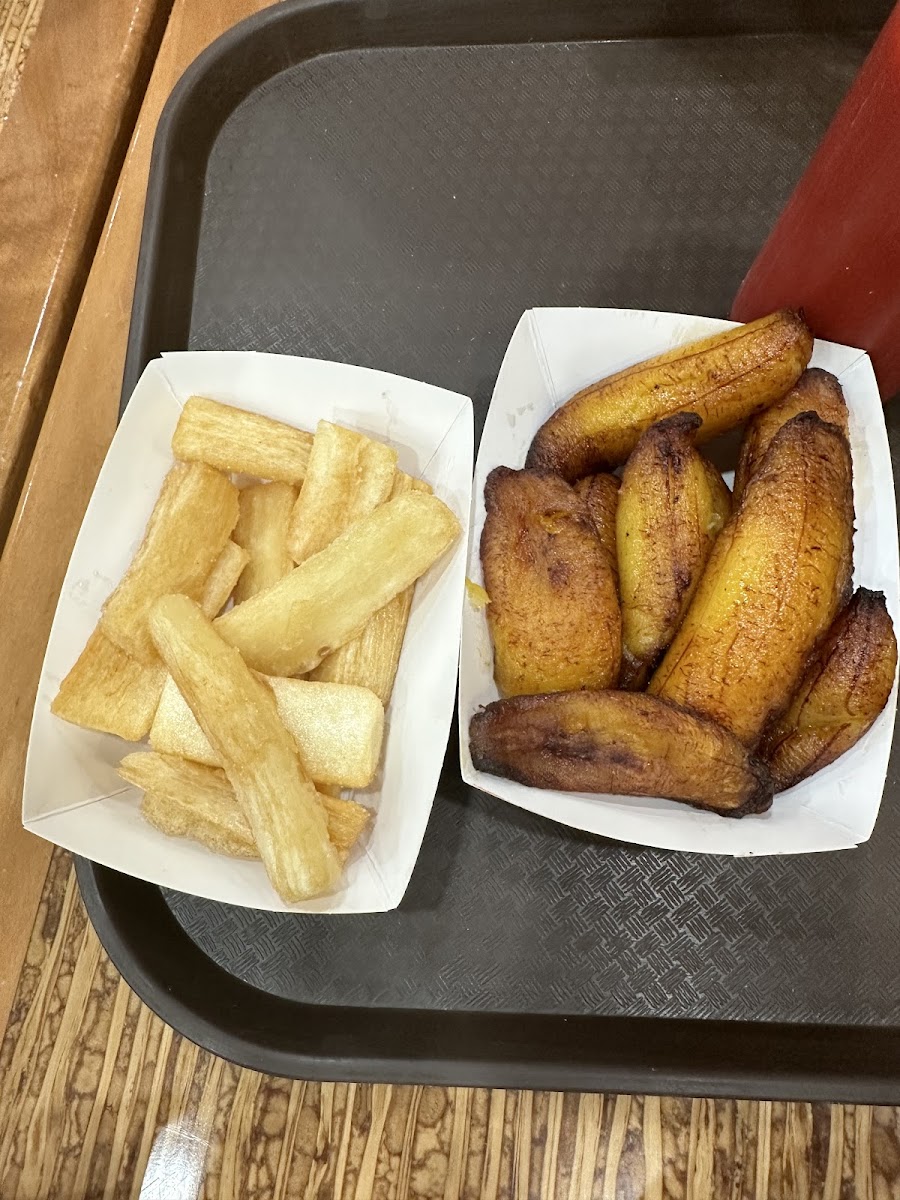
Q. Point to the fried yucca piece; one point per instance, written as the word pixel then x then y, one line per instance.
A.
pixel 262 529
pixel 108 691
pixel 725 379
pixel 845 686
pixel 371 660
pixel 328 600
pixel 191 521
pixel 622 743
pixel 775 581
pixel 815 391
pixel 222 579
pixel 348 475
pixel 338 729
pixel 554 613
pixel 186 799
pixel 238 714
pixel 673 505
pixel 232 439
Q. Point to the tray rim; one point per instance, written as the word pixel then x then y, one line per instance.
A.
pixel 451 1048
pixel 656 1056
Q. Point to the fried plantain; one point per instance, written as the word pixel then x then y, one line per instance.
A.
pixel 775 580
pixel 621 743
pixel 846 685
pixel 601 495
pixel 725 379
pixel 554 612
pixel 672 506
pixel 816 391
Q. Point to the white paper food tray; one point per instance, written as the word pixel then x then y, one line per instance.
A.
pixel 72 794
pixel 553 354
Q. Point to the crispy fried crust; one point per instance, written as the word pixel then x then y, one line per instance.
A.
pixel 726 379
pixel 621 743
pixel 775 580
pixel 845 687
pixel 193 517
pixel 262 527
pixel 185 799
pixel 329 599
pixel 109 691
pixel 554 613
pixel 672 506
pixel 816 391
pixel 371 659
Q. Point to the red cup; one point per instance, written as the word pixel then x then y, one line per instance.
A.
pixel 835 250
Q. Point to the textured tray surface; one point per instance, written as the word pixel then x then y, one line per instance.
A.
pixel 400 209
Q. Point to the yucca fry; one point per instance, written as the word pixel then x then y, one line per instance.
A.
pixel 338 729
pixel 371 660
pixel 108 691
pixel 223 578
pixel 186 799
pixel 347 476
pixel 329 599
pixel 238 714
pixel 191 521
pixel 232 439
pixel 262 529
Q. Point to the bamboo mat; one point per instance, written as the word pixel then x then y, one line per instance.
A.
pixel 18 21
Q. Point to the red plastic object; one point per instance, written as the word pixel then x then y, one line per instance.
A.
pixel 835 250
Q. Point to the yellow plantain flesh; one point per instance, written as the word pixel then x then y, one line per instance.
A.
pixel 845 687
pixel 777 577
pixel 816 391
pixel 725 379
pixel 673 504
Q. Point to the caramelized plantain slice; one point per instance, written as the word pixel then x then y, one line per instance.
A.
pixel 672 506
pixel 621 743
pixel 554 612
pixel 725 379
pixel 601 495
pixel 775 580
pixel 845 687
pixel 816 391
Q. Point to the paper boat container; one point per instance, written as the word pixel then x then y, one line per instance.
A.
pixel 554 353
pixel 73 795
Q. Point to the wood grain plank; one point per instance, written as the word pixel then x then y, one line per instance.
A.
pixel 73 440
pixel 63 144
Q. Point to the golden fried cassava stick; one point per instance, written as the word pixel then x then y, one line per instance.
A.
pixel 191 521
pixel 232 439
pixel 328 600
pixel 238 714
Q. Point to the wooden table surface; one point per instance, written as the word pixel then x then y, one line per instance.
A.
pixel 97 1097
